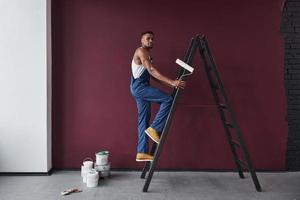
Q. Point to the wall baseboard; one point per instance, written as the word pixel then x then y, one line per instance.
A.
pixel 27 173
pixel 51 171
pixel 182 170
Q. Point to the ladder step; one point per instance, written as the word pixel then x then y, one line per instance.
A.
pixel 236 143
pixel 229 125
pixel 223 106
pixel 243 164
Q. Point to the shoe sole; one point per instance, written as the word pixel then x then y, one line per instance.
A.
pixel 143 160
pixel 151 137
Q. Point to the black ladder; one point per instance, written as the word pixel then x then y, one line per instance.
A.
pixel 227 115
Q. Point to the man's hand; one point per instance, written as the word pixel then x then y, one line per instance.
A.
pixel 178 84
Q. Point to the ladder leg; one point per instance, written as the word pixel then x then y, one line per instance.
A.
pixel 176 94
pixel 255 180
pixel 210 67
pixel 162 141
pixel 147 164
pixel 159 147
pixel 152 166
pixel 212 83
pixel 248 160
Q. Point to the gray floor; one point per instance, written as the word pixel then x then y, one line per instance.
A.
pixel 164 185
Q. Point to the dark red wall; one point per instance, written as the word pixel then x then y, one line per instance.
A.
pixel 93 44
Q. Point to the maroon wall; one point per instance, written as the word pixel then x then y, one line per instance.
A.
pixel 93 44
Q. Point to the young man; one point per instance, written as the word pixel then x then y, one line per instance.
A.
pixel 145 94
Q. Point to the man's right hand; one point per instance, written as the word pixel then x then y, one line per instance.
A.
pixel 179 84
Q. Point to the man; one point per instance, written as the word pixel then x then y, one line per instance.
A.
pixel 145 94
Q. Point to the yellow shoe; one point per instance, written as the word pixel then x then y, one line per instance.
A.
pixel 151 132
pixel 143 157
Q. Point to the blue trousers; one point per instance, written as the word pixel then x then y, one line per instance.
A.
pixel 144 95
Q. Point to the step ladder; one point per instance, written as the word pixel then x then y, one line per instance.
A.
pixel 232 130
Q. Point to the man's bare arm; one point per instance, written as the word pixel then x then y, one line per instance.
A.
pixel 144 57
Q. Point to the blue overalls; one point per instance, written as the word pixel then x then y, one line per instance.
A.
pixel 145 94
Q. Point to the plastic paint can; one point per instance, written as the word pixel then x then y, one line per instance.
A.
pixel 102 167
pixel 88 164
pixel 102 157
pixel 92 178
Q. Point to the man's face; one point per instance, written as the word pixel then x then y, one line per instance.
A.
pixel 147 40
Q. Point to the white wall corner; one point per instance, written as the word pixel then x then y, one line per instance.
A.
pixel 49 87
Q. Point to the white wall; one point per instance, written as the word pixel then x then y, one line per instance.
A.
pixel 25 86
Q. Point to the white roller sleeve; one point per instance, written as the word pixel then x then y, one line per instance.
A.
pixel 184 65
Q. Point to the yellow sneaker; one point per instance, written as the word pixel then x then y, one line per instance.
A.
pixel 151 132
pixel 140 157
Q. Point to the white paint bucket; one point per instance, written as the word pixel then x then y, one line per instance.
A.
pixel 104 170
pixel 92 178
pixel 82 168
pixel 102 157
pixel 84 173
pixel 88 164
pixel 84 177
pixel 85 168
pixel 102 167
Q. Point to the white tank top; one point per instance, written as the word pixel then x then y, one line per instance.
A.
pixel 137 70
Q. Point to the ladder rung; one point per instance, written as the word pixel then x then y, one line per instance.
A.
pixel 236 143
pixel 223 106
pixel 229 125
pixel 243 164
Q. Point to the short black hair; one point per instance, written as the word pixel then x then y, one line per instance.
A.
pixel 147 32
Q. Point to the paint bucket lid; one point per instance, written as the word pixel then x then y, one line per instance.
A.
pixel 102 152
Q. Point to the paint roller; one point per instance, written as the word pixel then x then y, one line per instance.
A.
pixel 184 66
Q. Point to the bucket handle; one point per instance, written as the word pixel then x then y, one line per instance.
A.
pixel 88 159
